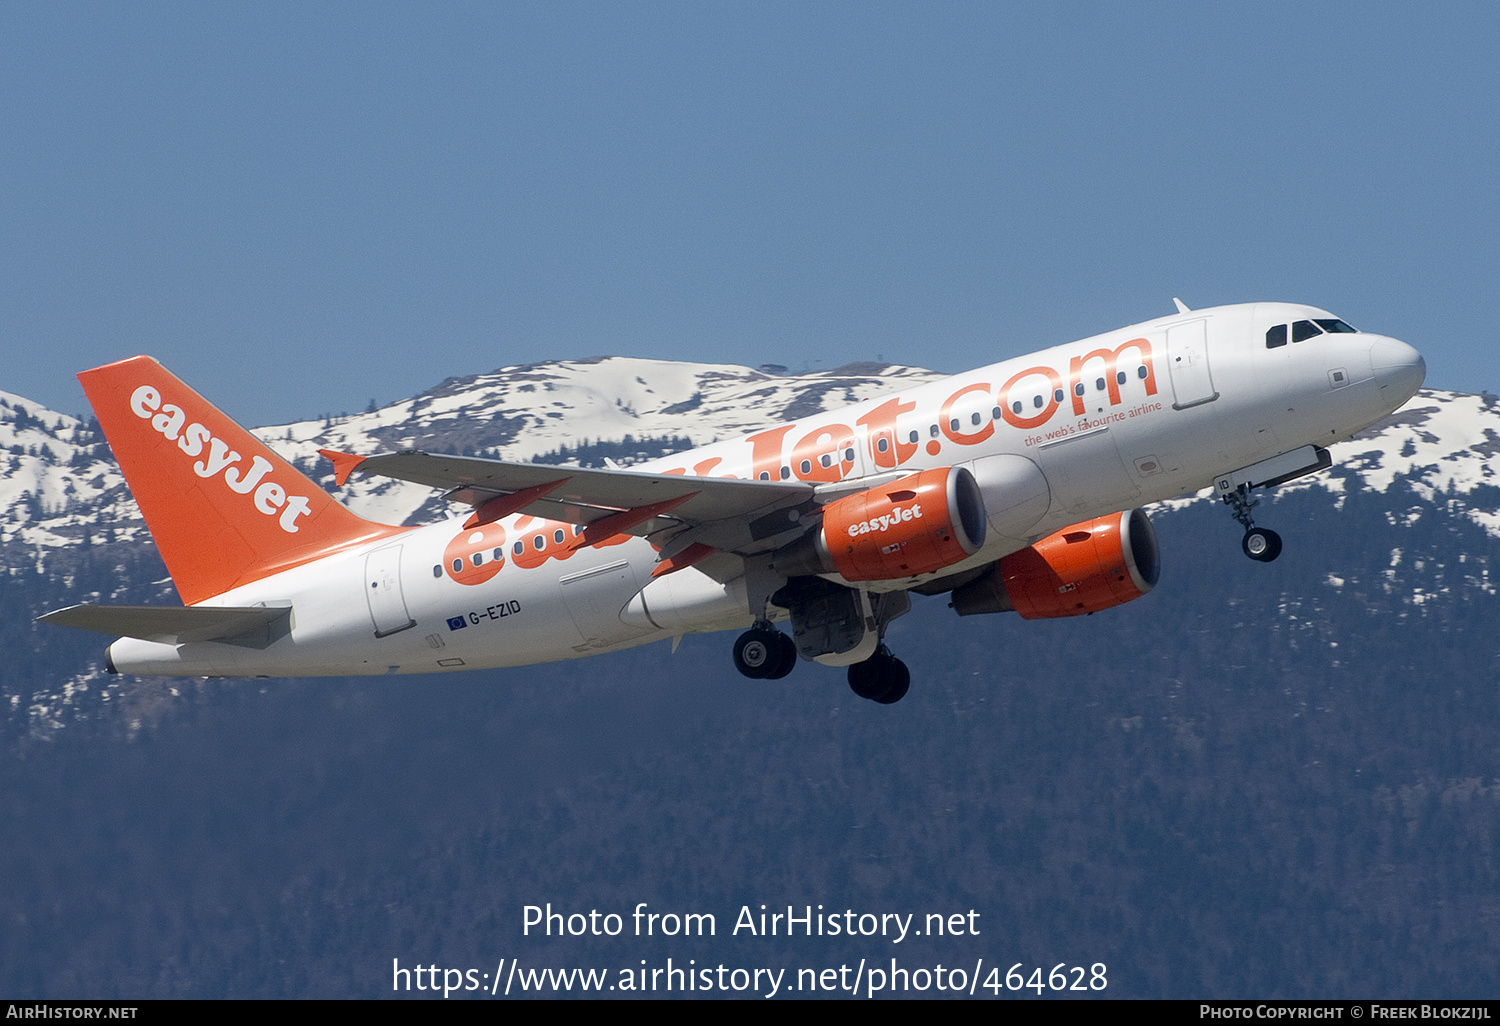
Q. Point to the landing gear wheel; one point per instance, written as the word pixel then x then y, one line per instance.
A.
pixel 755 653
pixel 865 679
pixel 900 682
pixel 1261 545
pixel 764 653
pixel 785 651
pixel 881 678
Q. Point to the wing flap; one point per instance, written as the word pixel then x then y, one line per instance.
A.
pixel 173 625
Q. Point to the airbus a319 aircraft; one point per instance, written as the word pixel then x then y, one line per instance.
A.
pixel 1015 487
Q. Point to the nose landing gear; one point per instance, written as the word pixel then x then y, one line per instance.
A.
pixel 1260 544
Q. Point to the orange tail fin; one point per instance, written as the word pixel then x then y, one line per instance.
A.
pixel 224 509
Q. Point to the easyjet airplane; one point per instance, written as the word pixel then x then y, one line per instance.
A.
pixel 1003 487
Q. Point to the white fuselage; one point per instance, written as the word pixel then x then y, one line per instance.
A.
pixel 1135 416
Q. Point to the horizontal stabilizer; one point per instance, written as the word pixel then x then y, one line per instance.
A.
pixel 172 625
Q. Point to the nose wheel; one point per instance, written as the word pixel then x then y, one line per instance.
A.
pixel 1260 544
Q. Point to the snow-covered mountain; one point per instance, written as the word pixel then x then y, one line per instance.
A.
pixel 61 480
pixel 70 531
pixel 1321 730
pixel 60 483
pixel 546 411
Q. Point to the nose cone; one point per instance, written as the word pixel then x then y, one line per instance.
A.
pixel 1399 369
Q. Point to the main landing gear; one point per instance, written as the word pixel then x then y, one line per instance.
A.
pixel 881 678
pixel 831 624
pixel 765 653
pixel 1260 543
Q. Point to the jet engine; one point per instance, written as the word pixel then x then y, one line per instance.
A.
pixel 912 526
pixel 1081 569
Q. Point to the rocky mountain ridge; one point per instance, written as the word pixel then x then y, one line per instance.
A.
pixel 61 485
pixel 1272 779
pixel 61 480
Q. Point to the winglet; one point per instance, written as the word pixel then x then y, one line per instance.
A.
pixel 344 463
pixel 1181 306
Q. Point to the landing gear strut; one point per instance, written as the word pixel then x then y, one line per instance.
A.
pixel 764 653
pixel 1260 543
pixel 881 678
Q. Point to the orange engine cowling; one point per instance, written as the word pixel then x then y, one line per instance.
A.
pixel 1081 569
pixel 912 526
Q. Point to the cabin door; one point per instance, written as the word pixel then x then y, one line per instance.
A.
pixel 383 591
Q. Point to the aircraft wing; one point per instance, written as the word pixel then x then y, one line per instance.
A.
pixel 727 514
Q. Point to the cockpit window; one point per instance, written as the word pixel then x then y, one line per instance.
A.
pixel 1335 326
pixel 1303 330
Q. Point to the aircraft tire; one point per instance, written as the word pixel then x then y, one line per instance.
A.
pixel 785 651
pixel 758 654
pixel 866 680
pixel 1261 545
pixel 881 678
pixel 898 679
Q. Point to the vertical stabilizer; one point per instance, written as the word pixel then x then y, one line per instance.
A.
pixel 223 508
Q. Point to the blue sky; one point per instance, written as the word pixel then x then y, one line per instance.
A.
pixel 301 207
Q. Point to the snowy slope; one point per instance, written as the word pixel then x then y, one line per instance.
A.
pixel 1440 443
pixel 59 480
pixel 56 476
pixel 521 413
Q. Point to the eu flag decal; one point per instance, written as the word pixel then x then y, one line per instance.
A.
pixel 456 623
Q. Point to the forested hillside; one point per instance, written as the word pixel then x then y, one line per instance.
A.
pixel 1258 780
pixel 1272 780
